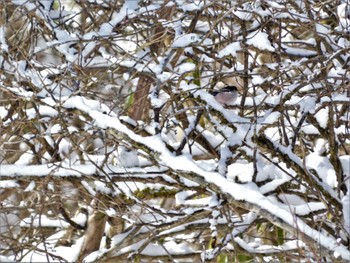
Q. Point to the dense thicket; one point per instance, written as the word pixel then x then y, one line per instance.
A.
pixel 112 147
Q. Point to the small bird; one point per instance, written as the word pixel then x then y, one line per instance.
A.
pixel 226 95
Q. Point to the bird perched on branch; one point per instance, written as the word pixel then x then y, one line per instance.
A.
pixel 226 95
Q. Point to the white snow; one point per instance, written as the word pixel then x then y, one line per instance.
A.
pixel 185 67
pixel 241 171
pixel 185 40
pixel 8 184
pixel 125 157
pixel 30 187
pixel 192 6
pixel 260 40
pixel 346 212
pixel 323 167
pixel 322 117
pixel 230 49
